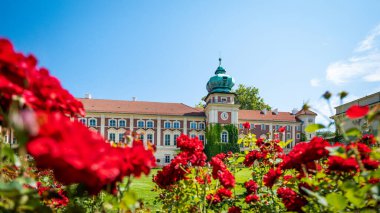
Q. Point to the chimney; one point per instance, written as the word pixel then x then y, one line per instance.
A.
pixel 87 96
pixel 275 111
pixel 294 111
pixel 133 98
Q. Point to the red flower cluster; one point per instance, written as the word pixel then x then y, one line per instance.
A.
pixel 191 152
pixel 251 186
pixel 291 200
pixel 350 164
pixel 220 195
pixel 234 209
pixel 252 156
pixel 271 177
pixel 54 197
pixel 282 129
pixel 20 76
pixel 251 198
pixel 246 125
pixel 368 139
pixel 304 153
pixel 220 172
pixel 78 155
pixel 357 111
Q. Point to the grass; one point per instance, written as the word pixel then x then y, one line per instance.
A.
pixel 144 185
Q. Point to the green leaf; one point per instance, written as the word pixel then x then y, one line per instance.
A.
pixel 337 201
pixel 313 127
pixel 240 159
pixel 336 150
pixel 354 132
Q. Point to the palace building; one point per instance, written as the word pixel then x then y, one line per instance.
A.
pixel 161 123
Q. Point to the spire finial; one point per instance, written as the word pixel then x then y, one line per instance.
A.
pixel 220 61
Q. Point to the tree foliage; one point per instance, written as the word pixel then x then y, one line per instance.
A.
pixel 248 98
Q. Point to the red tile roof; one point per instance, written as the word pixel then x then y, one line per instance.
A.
pixel 258 115
pixel 139 107
pixel 305 112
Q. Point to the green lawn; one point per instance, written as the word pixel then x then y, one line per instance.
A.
pixel 144 185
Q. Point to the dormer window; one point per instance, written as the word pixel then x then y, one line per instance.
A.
pixel 83 121
pixel 201 126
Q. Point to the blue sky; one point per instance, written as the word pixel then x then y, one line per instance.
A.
pixel 166 51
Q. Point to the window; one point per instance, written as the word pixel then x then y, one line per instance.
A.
pixel 149 124
pixel 176 125
pixel 92 122
pixel 14 141
pixel 252 125
pixel 111 137
pixel 201 126
pixel 149 138
pixel 202 138
pixel 83 121
pixel 224 137
pixel 175 139
pixel 167 140
pixel 298 128
pixel 121 137
pixel 240 126
pixel 193 125
pixel 112 123
pixel 167 125
pixel 141 137
pixel 288 128
pixel 122 123
pixel 311 120
pixel 167 158
pixel 140 124
pixel 288 136
pixel 298 136
pixel 263 127
pixel 192 136
pixel 277 127
pixel 224 100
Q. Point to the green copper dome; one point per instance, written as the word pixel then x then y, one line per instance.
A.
pixel 221 82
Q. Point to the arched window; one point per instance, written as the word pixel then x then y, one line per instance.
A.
pixel 201 125
pixel 112 137
pixel 149 124
pixel 122 123
pixel 176 125
pixel 149 138
pixel 175 139
pixel 192 135
pixel 140 124
pixel 83 121
pixel 167 140
pixel 112 122
pixel 224 137
pixel 167 125
pixel 201 138
pixel 193 125
pixel 92 122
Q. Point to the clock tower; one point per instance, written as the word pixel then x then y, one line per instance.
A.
pixel 220 101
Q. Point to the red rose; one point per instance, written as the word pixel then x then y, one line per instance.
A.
pixel 291 200
pixel 282 129
pixel 357 111
pixel 234 209
pixel 246 125
pixel 251 186
pixel 270 178
pixel 251 198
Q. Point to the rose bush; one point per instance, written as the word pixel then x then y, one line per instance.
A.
pixel 37 108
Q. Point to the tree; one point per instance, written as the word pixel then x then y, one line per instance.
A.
pixel 248 98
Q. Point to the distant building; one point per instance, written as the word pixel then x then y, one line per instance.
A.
pixel 161 123
pixel 340 115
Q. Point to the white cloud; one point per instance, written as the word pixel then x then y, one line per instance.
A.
pixel 363 65
pixel 315 82
pixel 369 42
